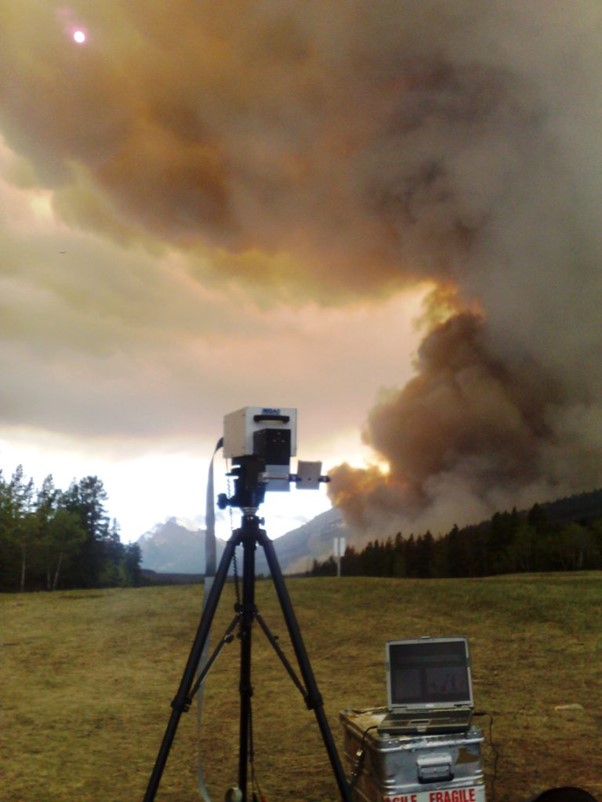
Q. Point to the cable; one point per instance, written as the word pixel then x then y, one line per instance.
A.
pixel 494 749
pixel 234 561
pixel 360 755
pixel 210 567
pixel 257 793
pixel 236 580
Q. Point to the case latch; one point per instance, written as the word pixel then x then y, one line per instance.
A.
pixel 434 769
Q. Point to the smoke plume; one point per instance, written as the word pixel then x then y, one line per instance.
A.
pixel 337 151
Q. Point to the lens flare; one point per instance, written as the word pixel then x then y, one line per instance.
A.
pixel 79 37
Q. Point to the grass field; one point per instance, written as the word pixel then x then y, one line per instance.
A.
pixel 86 681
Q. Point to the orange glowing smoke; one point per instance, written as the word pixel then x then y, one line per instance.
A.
pixel 325 153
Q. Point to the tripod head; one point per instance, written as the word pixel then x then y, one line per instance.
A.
pixel 260 441
pixel 249 487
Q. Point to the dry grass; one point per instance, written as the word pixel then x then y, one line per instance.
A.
pixel 87 678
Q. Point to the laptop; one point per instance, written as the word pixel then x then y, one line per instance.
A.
pixel 429 687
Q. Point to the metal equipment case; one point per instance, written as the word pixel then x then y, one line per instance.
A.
pixel 411 768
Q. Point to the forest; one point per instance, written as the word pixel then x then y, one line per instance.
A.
pixel 54 539
pixel 565 535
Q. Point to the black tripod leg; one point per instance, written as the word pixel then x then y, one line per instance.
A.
pixel 182 700
pixel 314 700
pixel 247 613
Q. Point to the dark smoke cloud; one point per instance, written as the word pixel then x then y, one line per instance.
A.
pixel 356 137
pixel 338 150
pixel 469 434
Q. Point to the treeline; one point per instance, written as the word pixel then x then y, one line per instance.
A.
pixel 50 538
pixel 509 542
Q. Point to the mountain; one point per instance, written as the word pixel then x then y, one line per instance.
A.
pixel 171 547
pixel 297 550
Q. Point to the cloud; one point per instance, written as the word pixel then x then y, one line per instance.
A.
pixel 467 435
pixel 104 340
pixel 219 170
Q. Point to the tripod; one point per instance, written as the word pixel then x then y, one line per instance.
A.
pixel 248 496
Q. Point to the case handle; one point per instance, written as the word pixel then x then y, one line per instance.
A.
pixel 434 769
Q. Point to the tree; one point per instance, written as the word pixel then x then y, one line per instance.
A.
pixel 65 537
pixel 350 563
pixel 537 518
pixel 9 552
pixel 503 529
pixel 22 525
pixel 399 560
pixel 112 552
pixel 326 568
pixel 45 509
pixel 49 537
pixel 523 550
pixel 410 556
pixel 85 499
pixel 570 544
pixel 455 552
pixel 596 547
pixel 425 555
pixel 131 573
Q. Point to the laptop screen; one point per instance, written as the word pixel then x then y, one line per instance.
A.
pixel 429 671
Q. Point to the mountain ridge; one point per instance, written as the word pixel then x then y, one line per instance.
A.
pixel 171 547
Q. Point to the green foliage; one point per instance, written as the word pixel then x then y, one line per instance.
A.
pixel 543 539
pixel 52 539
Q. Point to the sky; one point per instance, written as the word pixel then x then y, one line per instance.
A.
pixel 384 215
